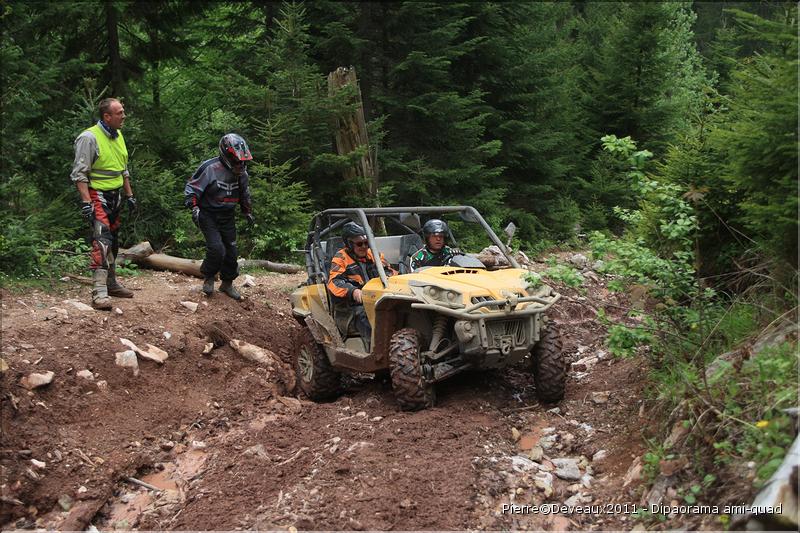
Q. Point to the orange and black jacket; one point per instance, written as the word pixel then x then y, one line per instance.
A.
pixel 348 274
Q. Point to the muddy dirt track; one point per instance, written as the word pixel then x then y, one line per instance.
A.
pixel 230 448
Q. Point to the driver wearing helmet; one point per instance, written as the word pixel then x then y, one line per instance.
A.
pixel 435 253
pixel 212 193
pixel 351 268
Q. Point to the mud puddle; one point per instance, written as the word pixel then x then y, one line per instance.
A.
pixel 169 485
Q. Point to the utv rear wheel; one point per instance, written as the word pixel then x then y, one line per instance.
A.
pixel 316 376
pixel 411 389
pixel 549 370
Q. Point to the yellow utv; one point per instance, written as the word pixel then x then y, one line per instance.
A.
pixel 427 325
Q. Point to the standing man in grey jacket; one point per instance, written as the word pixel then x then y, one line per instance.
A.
pixel 100 173
pixel 212 194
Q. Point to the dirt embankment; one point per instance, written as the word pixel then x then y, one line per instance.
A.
pixel 227 449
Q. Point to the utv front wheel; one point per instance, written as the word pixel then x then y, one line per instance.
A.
pixel 316 376
pixel 411 389
pixel 549 370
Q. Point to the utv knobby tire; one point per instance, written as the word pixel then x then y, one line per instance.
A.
pixel 317 378
pixel 411 389
pixel 549 367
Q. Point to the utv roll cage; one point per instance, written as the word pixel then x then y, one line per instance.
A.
pixel 325 223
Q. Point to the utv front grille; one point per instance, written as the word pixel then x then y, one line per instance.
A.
pixel 507 328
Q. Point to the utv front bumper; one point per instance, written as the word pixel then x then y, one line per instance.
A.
pixel 496 333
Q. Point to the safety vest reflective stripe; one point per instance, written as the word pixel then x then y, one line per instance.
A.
pixel 105 174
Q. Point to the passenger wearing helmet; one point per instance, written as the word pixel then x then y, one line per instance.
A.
pixel 212 193
pixel 435 253
pixel 351 268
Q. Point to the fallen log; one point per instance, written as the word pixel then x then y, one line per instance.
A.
pixel 142 254
pixel 136 252
pixel 189 267
pixel 283 268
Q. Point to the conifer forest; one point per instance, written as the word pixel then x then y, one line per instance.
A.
pixel 657 140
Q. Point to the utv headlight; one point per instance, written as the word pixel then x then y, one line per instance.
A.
pixel 448 297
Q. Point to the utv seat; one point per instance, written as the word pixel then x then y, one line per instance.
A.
pixel 331 246
pixel 408 246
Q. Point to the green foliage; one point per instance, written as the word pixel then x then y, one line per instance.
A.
pixel 753 426
pixel 282 211
pixel 665 219
pixel 636 263
pixel 647 73
pixel 623 341
pixel 559 274
pixel 498 105
pixel 128 269
pixel 564 274
pixel 758 140
pixel 533 279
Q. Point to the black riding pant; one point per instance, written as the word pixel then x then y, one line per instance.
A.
pixel 219 229
pixel 348 314
pixel 362 323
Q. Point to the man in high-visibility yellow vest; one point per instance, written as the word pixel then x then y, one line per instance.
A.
pixel 100 172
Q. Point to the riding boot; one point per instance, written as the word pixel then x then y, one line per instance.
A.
pixel 227 287
pixel 115 288
pixel 100 299
pixel 208 286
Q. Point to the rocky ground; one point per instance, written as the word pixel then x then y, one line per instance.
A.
pixel 229 444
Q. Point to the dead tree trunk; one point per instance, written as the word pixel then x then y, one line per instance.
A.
pixel 283 268
pixel 114 58
pixel 142 254
pixel 136 253
pixel 190 267
pixel 351 132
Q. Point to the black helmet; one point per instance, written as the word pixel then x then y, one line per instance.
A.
pixel 351 230
pixel 233 149
pixel 434 225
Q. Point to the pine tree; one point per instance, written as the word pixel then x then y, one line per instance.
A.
pixel 648 78
pixel 529 72
pixel 435 143
pixel 759 139
pixel 296 102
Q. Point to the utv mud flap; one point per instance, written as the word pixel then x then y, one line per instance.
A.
pixel 325 334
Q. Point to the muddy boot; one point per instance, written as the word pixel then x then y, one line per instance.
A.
pixel 208 286
pixel 100 299
pixel 115 288
pixel 228 288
